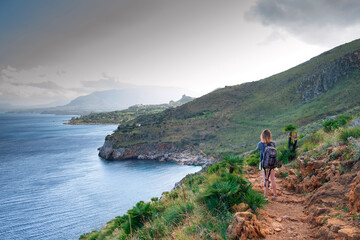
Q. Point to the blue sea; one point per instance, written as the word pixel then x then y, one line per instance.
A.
pixel 53 185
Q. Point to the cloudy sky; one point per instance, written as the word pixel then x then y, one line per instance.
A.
pixel 58 50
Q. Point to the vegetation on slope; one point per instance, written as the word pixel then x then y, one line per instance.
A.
pixel 204 205
pixel 229 120
pixel 124 116
pixel 201 209
pixel 327 173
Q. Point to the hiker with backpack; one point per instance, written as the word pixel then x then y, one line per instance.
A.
pixel 268 161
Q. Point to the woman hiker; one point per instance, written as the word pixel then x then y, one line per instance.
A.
pixel 266 141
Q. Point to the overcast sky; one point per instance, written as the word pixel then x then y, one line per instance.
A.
pixel 58 50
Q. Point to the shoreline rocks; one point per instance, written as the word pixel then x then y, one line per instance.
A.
pixel 164 152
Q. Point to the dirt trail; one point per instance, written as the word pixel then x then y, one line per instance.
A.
pixel 283 217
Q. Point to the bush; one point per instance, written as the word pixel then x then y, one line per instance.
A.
pixel 224 193
pixel 331 125
pixel 230 161
pixel 177 212
pixel 346 133
pixel 343 119
pixel 161 225
pixel 285 155
pixel 196 180
pixel 312 141
pixel 315 138
pixel 253 159
pixel 254 199
pixel 289 128
pixel 137 216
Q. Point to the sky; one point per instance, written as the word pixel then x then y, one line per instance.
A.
pixel 55 51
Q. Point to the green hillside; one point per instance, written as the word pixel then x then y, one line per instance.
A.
pixel 124 116
pixel 204 204
pixel 229 120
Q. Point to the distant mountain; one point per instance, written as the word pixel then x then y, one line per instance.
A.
pixel 230 120
pixel 126 115
pixel 111 100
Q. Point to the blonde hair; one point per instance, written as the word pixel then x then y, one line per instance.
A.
pixel 265 136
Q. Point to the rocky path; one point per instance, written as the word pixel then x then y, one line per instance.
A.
pixel 283 217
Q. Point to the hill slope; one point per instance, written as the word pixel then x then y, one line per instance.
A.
pixel 123 116
pixel 229 120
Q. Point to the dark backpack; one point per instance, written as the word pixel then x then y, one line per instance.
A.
pixel 270 157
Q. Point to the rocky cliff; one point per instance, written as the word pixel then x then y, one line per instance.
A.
pixel 154 151
pixel 325 76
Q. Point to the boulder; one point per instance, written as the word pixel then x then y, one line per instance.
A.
pixel 354 195
pixel 350 233
pixel 355 123
pixel 245 225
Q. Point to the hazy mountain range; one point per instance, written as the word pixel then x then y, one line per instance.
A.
pixel 109 100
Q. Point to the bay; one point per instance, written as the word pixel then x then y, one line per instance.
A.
pixel 54 186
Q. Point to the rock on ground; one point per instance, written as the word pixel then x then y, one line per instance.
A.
pixel 245 225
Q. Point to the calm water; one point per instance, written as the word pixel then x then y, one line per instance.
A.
pixel 54 186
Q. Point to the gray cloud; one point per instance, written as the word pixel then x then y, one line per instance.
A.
pixel 325 22
pixel 199 45
pixel 106 82
pixel 46 85
pixel 32 86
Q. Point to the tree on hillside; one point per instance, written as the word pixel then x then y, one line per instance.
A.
pixel 293 135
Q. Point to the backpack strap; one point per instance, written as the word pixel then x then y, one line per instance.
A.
pixel 267 178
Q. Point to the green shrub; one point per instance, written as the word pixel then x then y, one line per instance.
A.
pixel 302 136
pixel 254 199
pixel 93 236
pixel 164 223
pixel 315 138
pixel 177 212
pixel 211 225
pixel 214 168
pixel 285 155
pixel 137 216
pixel 253 159
pixel 173 195
pixel 343 120
pixel 230 161
pixel 224 193
pixel 312 141
pixel 156 231
pixel 354 147
pixel 331 125
pixel 346 133
pixel 289 128
pixel 196 180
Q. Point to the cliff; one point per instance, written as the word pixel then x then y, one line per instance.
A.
pixel 167 152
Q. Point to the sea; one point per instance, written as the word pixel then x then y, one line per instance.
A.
pixel 53 185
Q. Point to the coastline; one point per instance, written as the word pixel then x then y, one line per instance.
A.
pixel 163 152
pixel 67 123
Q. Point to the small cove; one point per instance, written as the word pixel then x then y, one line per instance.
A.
pixel 54 186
